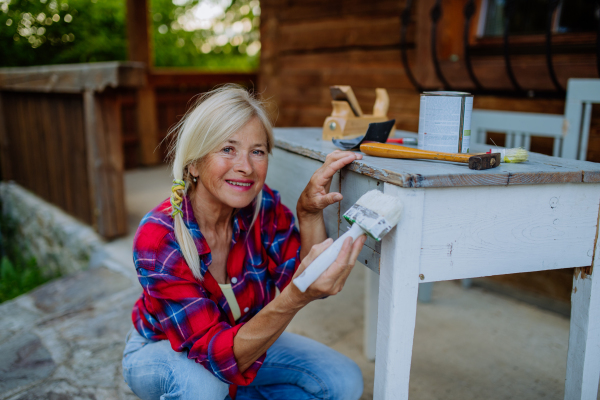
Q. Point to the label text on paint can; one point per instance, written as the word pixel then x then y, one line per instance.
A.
pixel 445 121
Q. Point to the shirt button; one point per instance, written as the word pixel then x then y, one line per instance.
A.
pixel 234 280
pixel 246 309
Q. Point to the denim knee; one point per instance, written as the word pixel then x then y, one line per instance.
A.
pixel 346 385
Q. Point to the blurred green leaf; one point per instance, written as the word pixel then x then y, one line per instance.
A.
pixel 7 271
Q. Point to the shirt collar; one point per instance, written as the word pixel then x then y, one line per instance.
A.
pixel 242 219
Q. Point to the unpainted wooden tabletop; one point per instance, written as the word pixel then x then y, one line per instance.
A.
pixel 538 169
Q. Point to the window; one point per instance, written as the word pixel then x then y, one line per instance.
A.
pixel 529 17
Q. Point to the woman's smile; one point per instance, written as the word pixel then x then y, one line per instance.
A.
pixel 234 174
pixel 241 185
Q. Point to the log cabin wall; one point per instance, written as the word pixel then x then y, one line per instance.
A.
pixel 309 45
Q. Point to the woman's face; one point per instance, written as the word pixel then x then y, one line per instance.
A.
pixel 235 173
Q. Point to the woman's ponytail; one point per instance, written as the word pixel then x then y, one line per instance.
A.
pixel 182 234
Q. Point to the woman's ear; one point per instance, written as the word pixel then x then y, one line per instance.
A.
pixel 193 170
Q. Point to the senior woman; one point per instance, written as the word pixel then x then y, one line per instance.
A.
pixel 211 258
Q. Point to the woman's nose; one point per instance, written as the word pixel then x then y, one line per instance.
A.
pixel 243 164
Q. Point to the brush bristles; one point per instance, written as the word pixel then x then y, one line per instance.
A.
pixel 384 205
pixel 516 155
pixel 376 213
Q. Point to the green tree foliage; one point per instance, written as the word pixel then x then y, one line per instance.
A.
pixel 38 32
pixel 228 41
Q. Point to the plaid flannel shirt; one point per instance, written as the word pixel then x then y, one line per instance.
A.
pixel 195 316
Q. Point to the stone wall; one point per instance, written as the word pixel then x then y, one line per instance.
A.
pixel 59 242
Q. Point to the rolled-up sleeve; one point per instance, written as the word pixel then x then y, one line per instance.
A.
pixel 190 320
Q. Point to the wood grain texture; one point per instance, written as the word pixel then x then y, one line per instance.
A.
pixel 105 164
pixel 539 169
pixel 45 148
pixel 5 168
pixel 73 78
pixel 309 10
pixel 335 34
pixel 147 126
pixel 525 229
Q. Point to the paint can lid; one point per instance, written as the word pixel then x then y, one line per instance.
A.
pixel 447 93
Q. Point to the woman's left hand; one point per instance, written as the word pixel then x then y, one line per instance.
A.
pixel 316 196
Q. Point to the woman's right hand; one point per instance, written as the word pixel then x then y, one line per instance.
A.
pixel 333 279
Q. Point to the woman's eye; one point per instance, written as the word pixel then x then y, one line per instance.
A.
pixel 227 150
pixel 259 152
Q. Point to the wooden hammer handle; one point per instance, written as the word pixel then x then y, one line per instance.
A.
pixel 395 151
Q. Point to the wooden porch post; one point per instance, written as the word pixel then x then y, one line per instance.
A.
pixel 138 32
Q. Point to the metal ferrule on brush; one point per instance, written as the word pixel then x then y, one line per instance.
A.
pixel 372 223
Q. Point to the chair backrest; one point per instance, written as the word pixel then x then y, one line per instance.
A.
pixel 518 127
pixel 570 131
pixel 581 94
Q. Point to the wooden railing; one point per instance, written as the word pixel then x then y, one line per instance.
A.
pixel 67 132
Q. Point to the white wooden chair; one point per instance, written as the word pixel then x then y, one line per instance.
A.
pixel 570 132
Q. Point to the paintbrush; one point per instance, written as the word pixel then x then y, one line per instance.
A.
pixel 374 214
pixel 516 155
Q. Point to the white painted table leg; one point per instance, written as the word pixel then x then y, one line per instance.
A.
pixel 398 289
pixel 371 295
pixel 425 290
pixel 583 360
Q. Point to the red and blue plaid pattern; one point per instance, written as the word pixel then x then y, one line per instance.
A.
pixel 195 316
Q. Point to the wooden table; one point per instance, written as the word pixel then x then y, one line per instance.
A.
pixel 458 223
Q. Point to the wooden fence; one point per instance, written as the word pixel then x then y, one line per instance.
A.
pixel 67 132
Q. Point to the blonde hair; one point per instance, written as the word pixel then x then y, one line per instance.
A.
pixel 215 117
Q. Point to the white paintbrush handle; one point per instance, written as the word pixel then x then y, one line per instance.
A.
pixel 325 259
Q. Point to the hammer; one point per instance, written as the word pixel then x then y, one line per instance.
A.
pixel 475 161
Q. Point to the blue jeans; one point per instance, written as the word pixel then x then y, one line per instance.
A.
pixel 296 368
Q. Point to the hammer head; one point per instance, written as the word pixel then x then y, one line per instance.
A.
pixel 484 161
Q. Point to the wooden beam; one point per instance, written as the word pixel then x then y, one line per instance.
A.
pixel 73 78
pixel 138 32
pixel 5 173
pixel 105 163
pixel 147 126
pixel 140 49
pixel 182 78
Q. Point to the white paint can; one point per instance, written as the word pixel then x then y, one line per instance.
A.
pixel 445 121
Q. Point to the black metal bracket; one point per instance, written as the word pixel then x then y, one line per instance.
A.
pixel 405 21
pixel 510 8
pixel 598 41
pixel 552 5
pixel 469 11
pixel 436 15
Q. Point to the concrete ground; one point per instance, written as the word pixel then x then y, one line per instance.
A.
pixel 64 339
